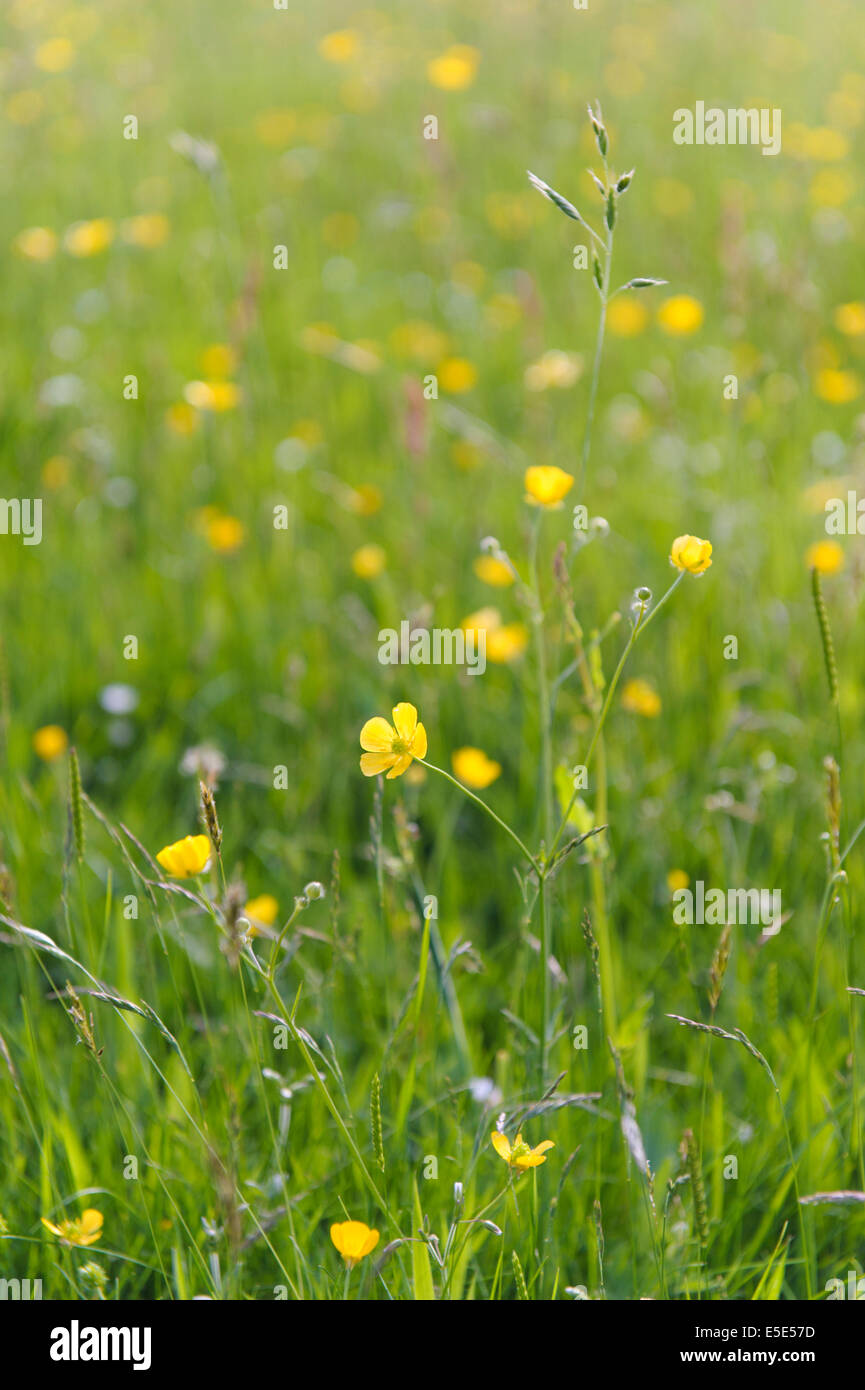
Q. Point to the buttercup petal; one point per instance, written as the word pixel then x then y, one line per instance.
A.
pixel 371 764
pixel 91 1221
pixel 418 746
pixel 402 763
pixel 405 721
pixel 377 736
pixel 369 1243
pixel 501 1145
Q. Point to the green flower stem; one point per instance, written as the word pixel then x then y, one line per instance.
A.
pixel 328 1100
pixel 490 812
pixel 274 955
pixel 639 626
pixel 599 349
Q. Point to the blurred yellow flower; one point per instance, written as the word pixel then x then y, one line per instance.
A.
pixel 626 316
pixel 56 471
pixel 850 319
pixel 186 857
pixel 466 455
pixel 55 55
pixel 22 108
pixel 456 374
pixel 503 311
pixel 826 145
pixel 818 494
pixel 89 238
pixel 389 747
pixel 546 484
pixel 83 1230
pixel 677 879
pixel 36 243
pixel 218 361
pixel 493 571
pixel 340 46
pixel 261 912
pixel 215 396
pixel 419 340
pixel 680 315
pixel 504 641
pixel 691 554
pixel 365 499
pixel 309 431
pixel 181 418
pixel 353 1240
pixel 368 561
pixel 825 556
pixel 831 188
pixel 224 533
pixel 474 768
pixel 50 742
pixel 640 697
pixel 519 1155
pixel 275 127
pixel 555 368
pixel 837 387
pixel 147 229
pixel 455 69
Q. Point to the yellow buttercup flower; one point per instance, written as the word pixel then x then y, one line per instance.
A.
pixel 850 319
pixel 85 1230
pixel 89 238
pixel 368 561
pixel 639 697
pixel 353 1240
pixel 825 556
pixel 831 188
pixel 186 857
pixel 25 106
pixel 36 243
pixel 555 368
pixel 546 485
pixel 504 641
pixel 181 418
pixel 261 912
pixel 455 69
pixel 275 127
pixel 219 360
pixel 507 642
pixel 691 554
pixel 474 768
pixel 456 374
pixel 390 748
pixel 340 46
pixel 224 533
pixel 519 1155
pixel 216 396
pixel 54 55
pixel 493 571
pixel 837 387
pixel 677 879
pixel 147 229
pixel 50 742
pixel 627 316
pixel 680 315
pixel 365 499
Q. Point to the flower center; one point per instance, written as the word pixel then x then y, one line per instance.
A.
pixel 399 745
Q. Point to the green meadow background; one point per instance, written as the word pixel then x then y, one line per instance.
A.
pixel 405 256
